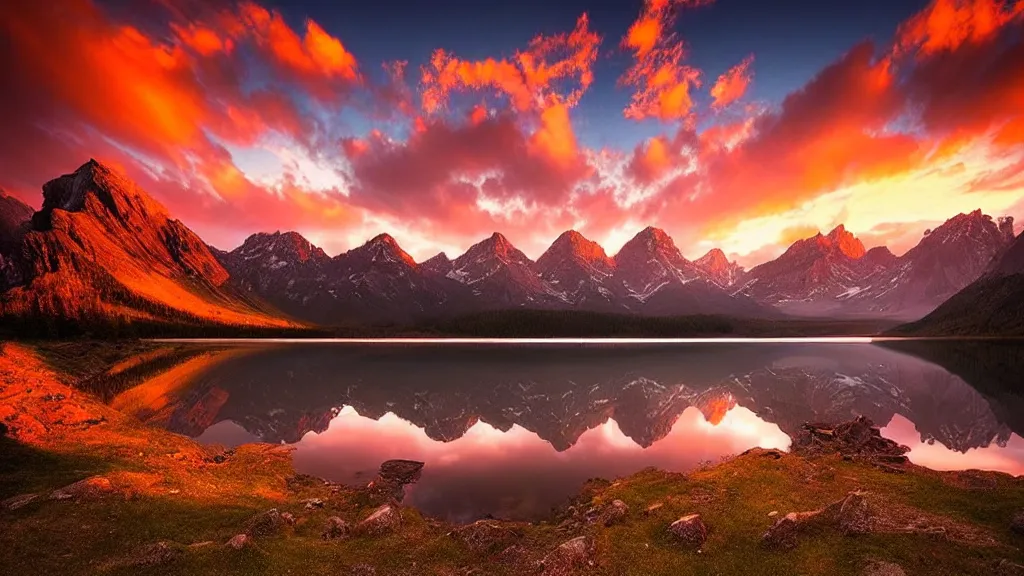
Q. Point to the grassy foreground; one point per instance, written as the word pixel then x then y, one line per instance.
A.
pixel 158 503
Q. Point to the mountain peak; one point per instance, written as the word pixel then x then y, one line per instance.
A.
pixel 847 244
pixel 283 246
pixel 574 246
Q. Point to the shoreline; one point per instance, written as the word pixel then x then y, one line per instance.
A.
pixel 161 501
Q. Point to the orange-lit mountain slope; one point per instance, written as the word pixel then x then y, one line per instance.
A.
pixel 102 250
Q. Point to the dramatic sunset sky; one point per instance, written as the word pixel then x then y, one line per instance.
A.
pixel 743 124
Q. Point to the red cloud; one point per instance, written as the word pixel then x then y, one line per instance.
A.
pixel 732 85
pixel 663 83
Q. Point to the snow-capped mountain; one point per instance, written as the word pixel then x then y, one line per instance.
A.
pixel 946 260
pixel 717 268
pixel 658 280
pixel 834 276
pixel 500 276
pixel 580 271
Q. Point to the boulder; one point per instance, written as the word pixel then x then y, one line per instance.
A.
pixel 384 519
pixel 336 529
pixel 238 542
pixel 401 471
pixel 782 534
pixel 15 502
pixel 614 513
pixel 313 503
pixel 690 529
pixel 883 569
pixel 575 556
pixel 854 515
pixel 93 487
pixel 858 437
pixel 264 524
pixel 288 518
pixel 485 535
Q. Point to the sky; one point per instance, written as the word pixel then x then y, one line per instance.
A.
pixel 737 124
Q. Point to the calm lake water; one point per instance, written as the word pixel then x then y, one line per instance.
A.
pixel 512 430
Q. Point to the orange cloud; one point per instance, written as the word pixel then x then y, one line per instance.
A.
pixel 530 79
pixel 732 85
pixel 946 25
pixel 662 83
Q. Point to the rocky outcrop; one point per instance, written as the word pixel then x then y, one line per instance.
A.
pixel 850 516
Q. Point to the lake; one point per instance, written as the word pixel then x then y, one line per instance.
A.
pixel 511 430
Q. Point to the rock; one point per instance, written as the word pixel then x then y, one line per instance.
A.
pixel 850 516
pixel 383 519
pixel 314 503
pixel 154 554
pixel 485 535
pixel 773 513
pixel 854 515
pixel 336 528
pixel 782 534
pixel 614 513
pixel 653 508
pixel 856 437
pixel 1007 568
pixel 264 524
pixel 763 453
pixel 288 518
pixel 238 542
pixel 15 502
pixel 883 569
pixel 690 529
pixel 575 556
pixel 93 487
pixel 401 471
pixel 1017 523
pixel 202 544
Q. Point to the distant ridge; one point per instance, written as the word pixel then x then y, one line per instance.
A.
pixel 103 251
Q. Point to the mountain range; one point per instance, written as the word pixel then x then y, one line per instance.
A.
pixel 101 250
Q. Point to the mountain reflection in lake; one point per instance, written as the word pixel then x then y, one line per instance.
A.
pixel 512 431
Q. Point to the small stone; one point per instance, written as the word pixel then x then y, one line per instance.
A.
pixel 572 557
pixel 314 503
pixel 264 524
pixel 883 569
pixel 16 502
pixel 93 487
pixel 288 518
pixel 238 542
pixel 773 513
pixel 653 508
pixel 1017 523
pixel 336 528
pixel 690 529
pixel 383 519
pixel 614 513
